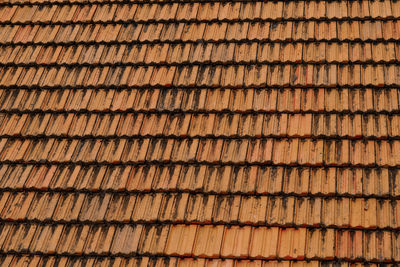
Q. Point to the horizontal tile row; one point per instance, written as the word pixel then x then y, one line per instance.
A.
pixel 76 261
pixel 203 100
pixel 64 2
pixel 202 241
pixel 183 32
pixel 254 180
pixel 355 213
pixel 329 75
pixel 202 11
pixel 201 53
pixel 200 125
pixel 308 152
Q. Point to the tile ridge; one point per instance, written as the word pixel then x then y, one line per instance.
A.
pixel 203 64
pixel 197 163
pixel 173 223
pixel 105 2
pixel 118 192
pixel 182 42
pixel 268 259
pixel 179 111
pixel 198 21
pixel 150 137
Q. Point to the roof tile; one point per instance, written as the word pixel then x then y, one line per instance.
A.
pixel 180 130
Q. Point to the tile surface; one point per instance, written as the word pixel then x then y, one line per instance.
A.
pixel 200 133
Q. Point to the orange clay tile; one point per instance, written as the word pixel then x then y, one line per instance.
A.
pixel 201 133
pixel 208 241
pixel 180 240
pixel 236 241
pixel 126 239
pixel 153 239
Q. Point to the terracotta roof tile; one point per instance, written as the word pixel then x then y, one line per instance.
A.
pixel 199 133
pixel 234 233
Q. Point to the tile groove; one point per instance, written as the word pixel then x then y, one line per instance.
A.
pixel 116 192
pixel 169 223
pixel 203 64
pixel 197 163
pixel 322 260
pixel 106 2
pixel 3 111
pixel 196 21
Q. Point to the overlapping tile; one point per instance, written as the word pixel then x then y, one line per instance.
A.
pixel 279 31
pixel 255 180
pixel 172 261
pixel 274 100
pixel 276 151
pixel 183 240
pixel 330 75
pixel 150 12
pixel 283 211
pixel 218 125
pixel 200 53
pixel 199 133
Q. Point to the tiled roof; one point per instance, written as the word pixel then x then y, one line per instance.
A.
pixel 199 133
